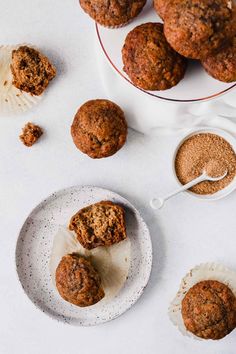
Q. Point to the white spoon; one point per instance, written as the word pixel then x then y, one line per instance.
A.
pixel 157 203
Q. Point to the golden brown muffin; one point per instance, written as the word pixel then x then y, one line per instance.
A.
pixel 161 7
pixel 30 134
pixel 99 128
pixel 209 310
pixel 222 65
pixel 100 224
pixel 78 282
pixel 197 28
pixel 113 13
pixel 31 70
pixel 149 60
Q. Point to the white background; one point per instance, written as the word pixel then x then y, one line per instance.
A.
pixel 185 233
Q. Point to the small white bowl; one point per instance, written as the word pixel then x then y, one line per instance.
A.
pixel 230 139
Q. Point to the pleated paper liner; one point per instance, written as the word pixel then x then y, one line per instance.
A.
pixel 12 100
pixel 206 271
pixel 112 263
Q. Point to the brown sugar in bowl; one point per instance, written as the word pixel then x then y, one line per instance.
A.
pixel 208 190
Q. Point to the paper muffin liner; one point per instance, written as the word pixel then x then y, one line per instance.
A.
pixel 205 271
pixel 12 100
pixel 112 263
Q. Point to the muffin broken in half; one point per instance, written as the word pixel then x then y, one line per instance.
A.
pixel 100 224
pixel 31 70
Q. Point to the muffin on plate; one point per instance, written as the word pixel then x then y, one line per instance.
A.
pixel 197 28
pixel 209 310
pixel 112 13
pixel 149 60
pixel 222 65
pixel 78 282
pixel 100 224
pixel 31 70
pixel 99 128
pixel 161 7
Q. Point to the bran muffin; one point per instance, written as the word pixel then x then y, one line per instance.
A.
pixel 148 59
pixel 99 128
pixel 114 13
pixel 78 282
pixel 31 70
pixel 161 7
pixel 209 310
pixel 100 224
pixel 30 134
pixel 197 28
pixel 222 65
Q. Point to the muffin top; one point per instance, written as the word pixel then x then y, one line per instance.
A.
pixel 100 224
pixel 222 65
pixel 31 70
pixel 148 59
pixel 99 128
pixel 161 7
pixel 78 282
pixel 209 310
pixel 196 28
pixel 112 13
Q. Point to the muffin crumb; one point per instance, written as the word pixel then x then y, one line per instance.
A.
pixel 30 134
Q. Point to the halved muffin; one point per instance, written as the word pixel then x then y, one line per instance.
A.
pixel 100 224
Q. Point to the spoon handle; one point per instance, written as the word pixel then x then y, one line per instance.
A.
pixel 158 203
pixel 186 186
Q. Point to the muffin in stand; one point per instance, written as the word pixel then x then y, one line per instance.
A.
pixel 78 282
pixel 99 128
pixel 149 60
pixel 197 28
pixel 222 65
pixel 114 13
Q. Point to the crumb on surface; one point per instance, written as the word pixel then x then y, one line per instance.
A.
pixel 30 134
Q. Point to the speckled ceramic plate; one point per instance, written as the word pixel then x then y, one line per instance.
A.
pixel 196 86
pixel 34 248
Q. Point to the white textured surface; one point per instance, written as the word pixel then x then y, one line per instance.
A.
pixel 185 233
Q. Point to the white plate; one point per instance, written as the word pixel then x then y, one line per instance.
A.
pixel 197 85
pixel 34 248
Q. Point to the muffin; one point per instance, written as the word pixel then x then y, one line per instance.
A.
pixel 78 282
pixel 222 65
pixel 30 134
pixel 209 310
pixel 197 28
pixel 100 224
pixel 149 61
pixel 31 70
pixel 161 7
pixel 113 13
pixel 99 128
